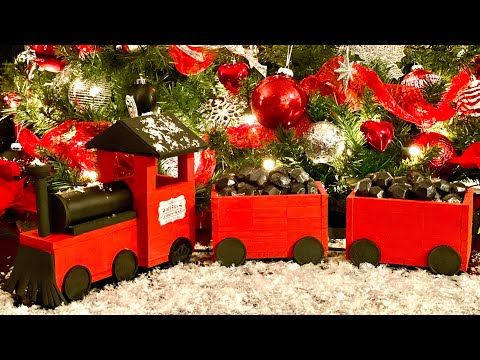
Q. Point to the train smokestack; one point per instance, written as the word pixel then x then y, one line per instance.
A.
pixel 40 174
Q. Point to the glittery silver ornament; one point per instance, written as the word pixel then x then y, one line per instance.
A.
pixel 88 94
pixel 389 54
pixel 326 141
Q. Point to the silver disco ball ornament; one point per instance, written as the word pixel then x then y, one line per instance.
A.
pixel 86 94
pixel 326 142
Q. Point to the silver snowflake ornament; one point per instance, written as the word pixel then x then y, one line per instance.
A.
pixel 223 110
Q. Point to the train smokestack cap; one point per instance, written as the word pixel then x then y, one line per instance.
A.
pixel 158 135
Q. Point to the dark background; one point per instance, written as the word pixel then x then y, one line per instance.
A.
pixel 8 52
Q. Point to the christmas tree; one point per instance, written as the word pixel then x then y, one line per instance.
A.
pixel 339 112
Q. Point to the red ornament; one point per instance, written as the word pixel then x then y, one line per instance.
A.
pixel 48 50
pixel 303 126
pixel 205 163
pixel 468 101
pixel 279 100
pixel 51 64
pixel 232 75
pixel 379 134
pixel 430 139
pixel 191 60
pixel 470 157
pixel 419 77
pixel 248 136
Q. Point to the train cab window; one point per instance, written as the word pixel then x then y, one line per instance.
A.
pixel 171 170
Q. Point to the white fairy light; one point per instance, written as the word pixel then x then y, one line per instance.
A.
pixel 269 164
pixel 90 175
pixel 415 151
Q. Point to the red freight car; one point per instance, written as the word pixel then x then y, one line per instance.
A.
pixel 143 219
pixel 430 234
pixel 260 227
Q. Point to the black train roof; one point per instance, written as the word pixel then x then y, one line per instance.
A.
pixel 157 135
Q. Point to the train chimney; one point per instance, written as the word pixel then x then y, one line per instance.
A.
pixel 40 174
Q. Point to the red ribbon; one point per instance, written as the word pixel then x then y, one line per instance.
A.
pixel 403 101
pixel 13 194
pixel 470 157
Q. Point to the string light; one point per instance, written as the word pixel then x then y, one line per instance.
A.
pixel 415 151
pixel 269 164
pixel 95 90
pixel 90 175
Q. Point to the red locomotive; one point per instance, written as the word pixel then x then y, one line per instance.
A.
pixel 141 220
pixel 430 234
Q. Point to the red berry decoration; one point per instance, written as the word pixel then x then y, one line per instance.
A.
pixel 232 75
pixel 419 77
pixel 379 134
pixel 430 139
pixel 279 100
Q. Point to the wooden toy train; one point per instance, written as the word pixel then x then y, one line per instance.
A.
pixel 146 219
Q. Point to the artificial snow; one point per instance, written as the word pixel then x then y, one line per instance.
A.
pixel 161 133
pixel 276 287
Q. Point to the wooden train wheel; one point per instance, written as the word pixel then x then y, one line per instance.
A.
pixel 444 260
pixel 364 251
pixel 231 251
pixel 77 283
pixel 180 251
pixel 308 250
pixel 125 265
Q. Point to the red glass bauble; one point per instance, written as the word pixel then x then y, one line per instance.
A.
pixel 48 50
pixel 188 65
pixel 430 139
pixel 419 78
pixel 232 75
pixel 279 100
pixel 51 64
pixel 379 134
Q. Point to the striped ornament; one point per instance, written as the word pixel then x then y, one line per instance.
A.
pixel 468 102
